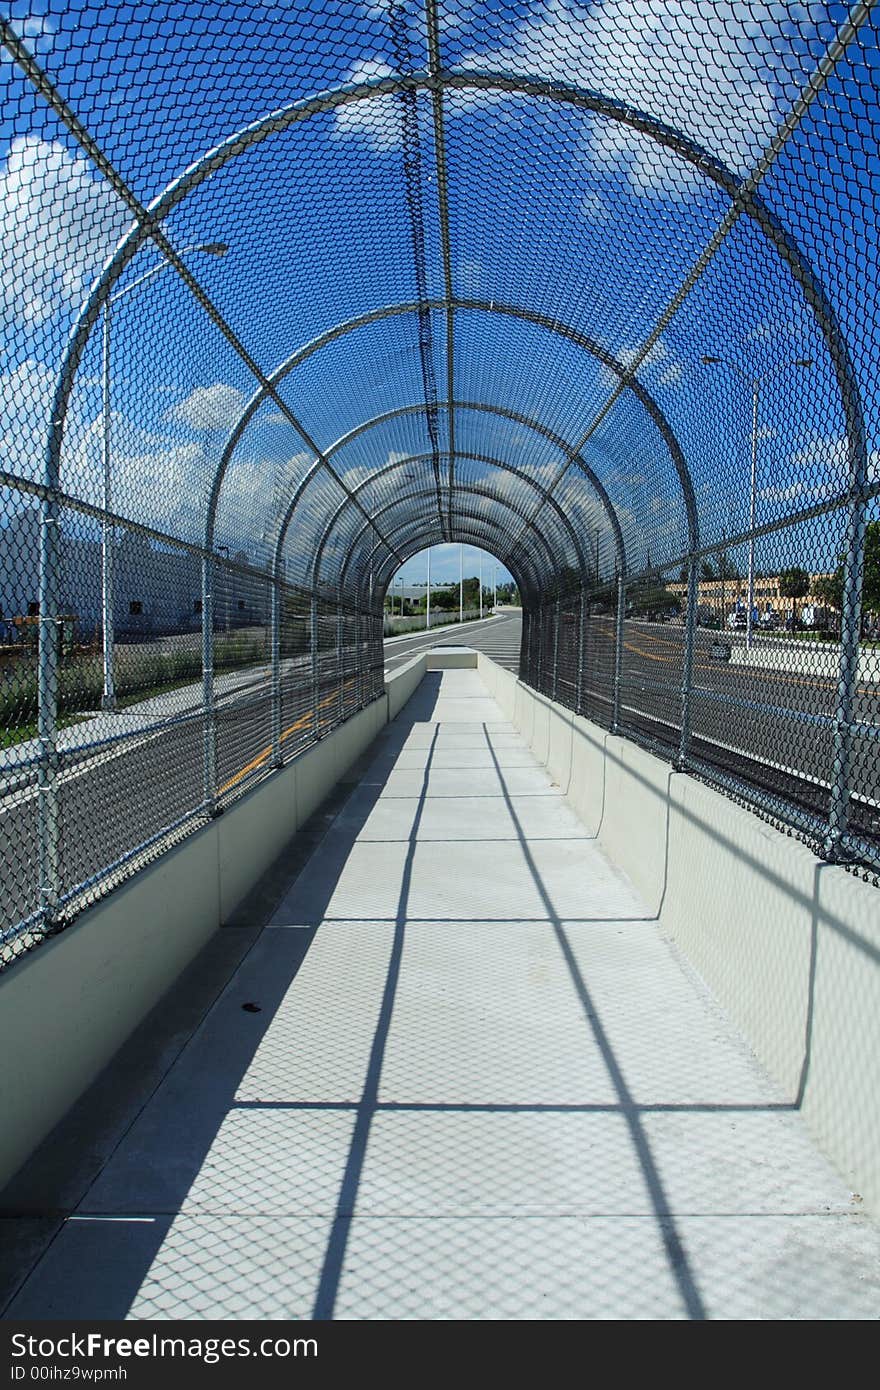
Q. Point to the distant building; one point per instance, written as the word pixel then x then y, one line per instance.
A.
pixel 718 598
pixel 156 590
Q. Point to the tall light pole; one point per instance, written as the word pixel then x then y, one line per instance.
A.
pixel 755 383
pixel 108 694
pixel 428 594
pixel 495 586
pixel 460 582
pixel 481 583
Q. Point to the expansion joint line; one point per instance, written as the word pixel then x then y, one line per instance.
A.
pixel 741 200
pixel 49 92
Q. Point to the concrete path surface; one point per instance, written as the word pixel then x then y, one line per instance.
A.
pixel 462 1075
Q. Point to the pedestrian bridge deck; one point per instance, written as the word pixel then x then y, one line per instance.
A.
pixel 479 1083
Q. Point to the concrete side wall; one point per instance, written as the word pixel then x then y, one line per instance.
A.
pixel 66 1008
pixel 402 683
pixel 789 945
pixel 451 658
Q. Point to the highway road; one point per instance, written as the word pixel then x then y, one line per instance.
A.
pixel 763 725
pixel 759 725
pixel 115 798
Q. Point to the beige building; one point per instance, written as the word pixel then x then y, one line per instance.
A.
pixel 720 597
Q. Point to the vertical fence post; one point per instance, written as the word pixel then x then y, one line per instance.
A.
pixel 582 625
pixel 47 710
pixel 687 674
pixel 358 672
pixel 313 639
pixel 275 638
pixel 210 716
pixel 850 635
pixel 618 650
pixel 108 696
pixel 340 648
pixel 556 618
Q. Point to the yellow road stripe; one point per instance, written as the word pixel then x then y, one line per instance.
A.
pixel 302 723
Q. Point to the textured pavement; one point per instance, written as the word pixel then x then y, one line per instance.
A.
pixel 480 1084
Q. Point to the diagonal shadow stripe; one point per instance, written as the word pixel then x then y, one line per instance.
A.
pixel 675 1251
pixel 331 1270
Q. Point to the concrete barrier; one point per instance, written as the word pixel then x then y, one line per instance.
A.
pixel 789 945
pixel 806 658
pixel 450 658
pixel 70 1004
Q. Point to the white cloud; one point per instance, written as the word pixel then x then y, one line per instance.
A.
pixel 216 407
pixel 784 494
pixel 374 119
pixel 595 209
pixel 720 74
pixel 58 224
pixel 823 451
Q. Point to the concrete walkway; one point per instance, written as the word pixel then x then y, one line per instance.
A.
pixel 461 1075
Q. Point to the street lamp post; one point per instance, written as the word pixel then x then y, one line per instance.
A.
pixel 755 383
pixel 108 694
pixel 460 583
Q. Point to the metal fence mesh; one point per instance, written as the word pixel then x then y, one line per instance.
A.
pixel 292 291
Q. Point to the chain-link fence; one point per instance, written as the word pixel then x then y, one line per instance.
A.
pixel 291 292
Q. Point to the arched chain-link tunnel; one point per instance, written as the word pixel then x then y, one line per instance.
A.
pixel 292 292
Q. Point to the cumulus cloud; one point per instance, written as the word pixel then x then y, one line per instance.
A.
pixel 216 407
pixel 58 224
pixel 373 120
pixel 721 74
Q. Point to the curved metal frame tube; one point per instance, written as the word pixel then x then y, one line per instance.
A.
pixel 466 536
pixel 438 80
pixel 505 413
pixel 468 489
pixel 480 538
pixel 487 459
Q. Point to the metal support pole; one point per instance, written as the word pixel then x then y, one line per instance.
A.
pixel 428 594
pixel 108 695
pixel 756 395
pixel 850 635
pixel 533 665
pixel 210 715
pixel 358 665
pixel 481 583
pixel 313 639
pixel 582 625
pixel 275 638
pixel 461 583
pixel 340 660
pixel 687 675
pixel 495 587
pixel 556 620
pixel 47 713
pixel 618 651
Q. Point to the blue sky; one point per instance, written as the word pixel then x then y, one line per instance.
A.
pixel 564 213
